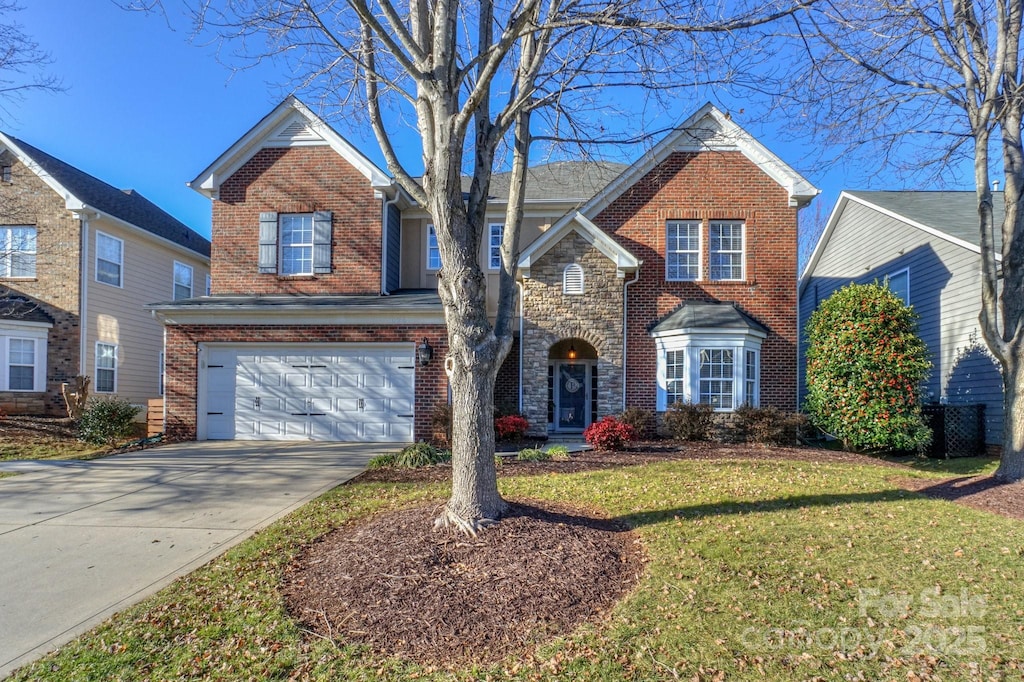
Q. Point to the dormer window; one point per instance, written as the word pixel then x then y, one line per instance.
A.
pixel 572 279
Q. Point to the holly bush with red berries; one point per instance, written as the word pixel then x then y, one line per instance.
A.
pixel 865 365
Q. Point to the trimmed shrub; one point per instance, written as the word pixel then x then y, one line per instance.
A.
pixel 511 427
pixel 609 434
pixel 421 455
pixel 865 365
pixel 768 425
pixel 533 455
pixel 690 421
pixel 108 421
pixel 640 419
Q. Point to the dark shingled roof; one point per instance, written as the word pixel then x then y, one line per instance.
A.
pixel 575 181
pixel 955 213
pixel 128 205
pixel 703 315
pixel 22 309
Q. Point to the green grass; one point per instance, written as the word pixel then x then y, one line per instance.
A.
pixel 52 450
pixel 756 570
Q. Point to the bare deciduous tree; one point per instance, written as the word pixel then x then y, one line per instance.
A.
pixel 923 85
pixel 21 60
pixel 482 79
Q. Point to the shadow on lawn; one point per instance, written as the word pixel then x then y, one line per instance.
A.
pixel 955 488
pixel 780 504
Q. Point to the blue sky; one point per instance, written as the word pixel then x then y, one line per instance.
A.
pixel 147 109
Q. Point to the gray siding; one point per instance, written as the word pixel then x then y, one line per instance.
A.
pixel 394 254
pixel 945 290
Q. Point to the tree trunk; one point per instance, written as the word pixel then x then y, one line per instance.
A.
pixel 1011 463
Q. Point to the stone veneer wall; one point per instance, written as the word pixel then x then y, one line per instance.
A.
pixel 595 317
pixel 27 200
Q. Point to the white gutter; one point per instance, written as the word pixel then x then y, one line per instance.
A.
pixel 625 327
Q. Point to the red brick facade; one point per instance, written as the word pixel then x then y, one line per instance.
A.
pixel 709 186
pixel 182 350
pixel 297 180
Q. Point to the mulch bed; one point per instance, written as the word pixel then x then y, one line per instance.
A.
pixel 444 599
pixel 14 428
pixel 981 492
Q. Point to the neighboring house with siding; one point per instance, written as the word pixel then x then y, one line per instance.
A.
pixel 79 259
pixel 926 245
pixel 669 279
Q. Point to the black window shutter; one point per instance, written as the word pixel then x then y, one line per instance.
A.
pixel 268 242
pixel 322 242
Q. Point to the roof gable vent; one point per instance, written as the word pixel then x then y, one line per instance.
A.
pixel 298 131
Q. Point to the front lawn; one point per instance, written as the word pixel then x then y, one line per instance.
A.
pixel 42 438
pixel 757 569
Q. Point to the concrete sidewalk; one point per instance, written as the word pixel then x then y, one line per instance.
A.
pixel 80 541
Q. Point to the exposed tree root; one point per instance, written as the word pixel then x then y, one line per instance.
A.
pixel 449 520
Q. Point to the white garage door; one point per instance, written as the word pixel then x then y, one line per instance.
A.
pixel 316 392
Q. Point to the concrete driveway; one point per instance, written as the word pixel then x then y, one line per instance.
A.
pixel 82 540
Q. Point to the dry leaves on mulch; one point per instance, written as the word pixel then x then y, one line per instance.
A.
pixel 445 599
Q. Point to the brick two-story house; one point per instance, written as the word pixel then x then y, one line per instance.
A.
pixel 79 259
pixel 672 279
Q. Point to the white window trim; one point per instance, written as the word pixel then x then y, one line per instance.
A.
pixel 96 264
pixel 743 250
pixel 426 238
pixel 7 252
pixel 96 367
pixel 494 249
pixel 700 250
pixel 30 331
pixel 175 284
pixel 281 245
pixel 897 273
pixel 692 342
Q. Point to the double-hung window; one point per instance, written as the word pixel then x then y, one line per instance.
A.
pixel 682 250
pixel 716 377
pixel 109 259
pixel 295 244
pixel 23 355
pixel 182 281
pixel 726 250
pixel 21 364
pixel 106 367
pixel 433 252
pixel 17 251
pixel 494 246
pixel 675 377
pixel 717 368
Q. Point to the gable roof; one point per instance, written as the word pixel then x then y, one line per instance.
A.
pixel 948 215
pixel 704 316
pixel 290 124
pixel 577 222
pixel 708 130
pixel 79 190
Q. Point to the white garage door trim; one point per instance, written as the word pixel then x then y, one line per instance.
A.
pixel 360 392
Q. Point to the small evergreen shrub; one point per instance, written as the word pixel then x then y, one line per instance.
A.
pixel 108 421
pixel 640 419
pixel 865 365
pixel 384 461
pixel 609 434
pixel 421 455
pixel 690 421
pixel 533 455
pixel 768 425
pixel 511 427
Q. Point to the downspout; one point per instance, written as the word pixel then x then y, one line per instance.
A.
pixel 83 294
pixel 625 327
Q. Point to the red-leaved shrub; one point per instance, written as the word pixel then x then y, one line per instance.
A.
pixel 609 434
pixel 511 427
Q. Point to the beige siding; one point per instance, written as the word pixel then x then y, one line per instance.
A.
pixel 116 314
pixel 944 289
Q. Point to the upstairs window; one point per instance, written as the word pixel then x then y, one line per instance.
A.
pixel 726 253
pixel 682 250
pixel 433 252
pixel 17 251
pixel 182 281
pixel 109 259
pixel 106 367
pixel 295 244
pixel 494 246
pixel 572 279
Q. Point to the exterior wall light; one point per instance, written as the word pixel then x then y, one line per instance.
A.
pixel 424 352
pixel 572 352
